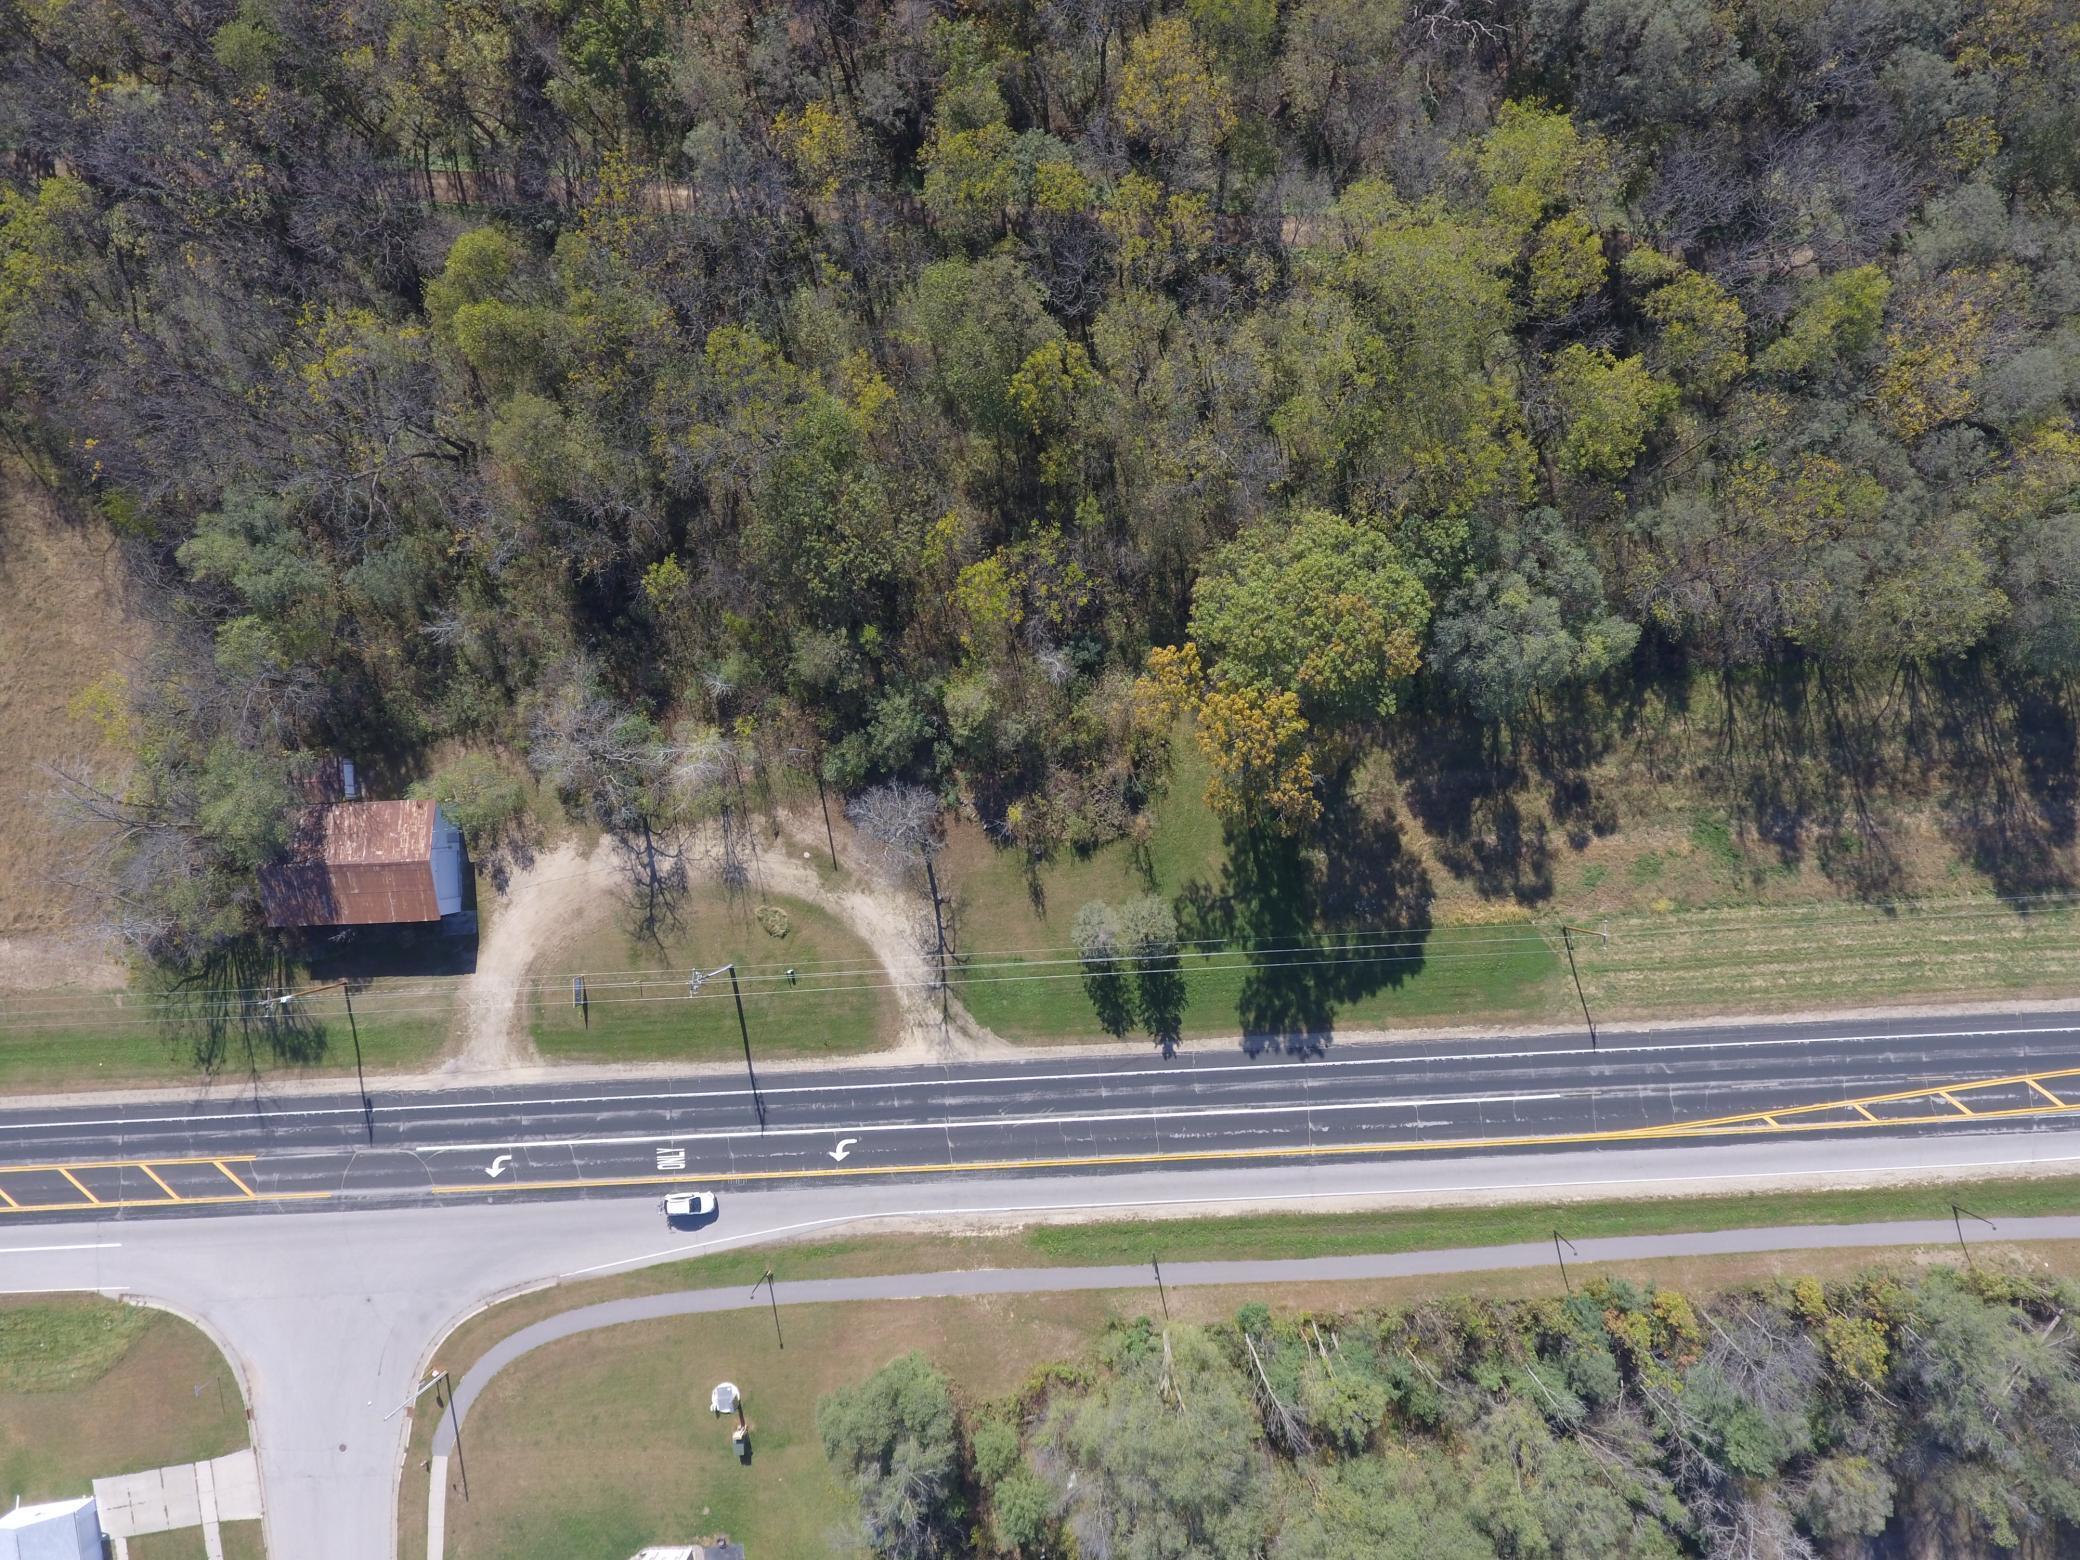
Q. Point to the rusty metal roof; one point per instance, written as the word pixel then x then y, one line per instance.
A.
pixel 354 864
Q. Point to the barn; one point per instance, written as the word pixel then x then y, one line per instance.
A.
pixel 366 864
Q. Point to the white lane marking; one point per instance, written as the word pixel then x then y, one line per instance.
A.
pixel 497 1167
pixel 844 1147
pixel 938 1077
pixel 91 1245
pixel 1155 1117
pixel 671 1159
pixel 1257 1198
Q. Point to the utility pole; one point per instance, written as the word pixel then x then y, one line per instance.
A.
pixel 1957 1217
pixel 700 978
pixel 1567 937
pixel 1157 1264
pixel 1560 1240
pixel 830 835
pixel 368 1108
pixel 772 1298
pixel 931 879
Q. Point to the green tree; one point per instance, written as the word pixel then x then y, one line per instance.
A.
pixel 1608 405
pixel 1318 605
pixel 895 1439
pixel 1533 620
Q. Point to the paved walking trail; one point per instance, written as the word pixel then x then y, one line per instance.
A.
pixel 1013 1281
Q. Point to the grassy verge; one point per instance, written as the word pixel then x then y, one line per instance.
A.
pixel 55 1040
pixel 597 1445
pixel 638 1008
pixel 1447 975
pixel 1755 959
pixel 90 1388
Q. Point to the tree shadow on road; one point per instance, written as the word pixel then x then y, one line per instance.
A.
pixel 1311 927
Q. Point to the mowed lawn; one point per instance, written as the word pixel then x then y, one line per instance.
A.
pixel 92 1387
pixel 57 1040
pixel 595 1446
pixel 638 1007
pixel 241 1541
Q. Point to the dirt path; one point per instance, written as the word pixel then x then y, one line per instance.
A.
pixel 896 925
pixel 572 890
pixel 565 890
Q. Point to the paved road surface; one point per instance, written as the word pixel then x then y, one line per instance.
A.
pixel 2012 1072
pixel 330 1321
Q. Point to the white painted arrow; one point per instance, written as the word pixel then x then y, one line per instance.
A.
pixel 844 1147
pixel 497 1167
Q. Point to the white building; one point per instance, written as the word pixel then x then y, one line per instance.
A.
pixel 57 1530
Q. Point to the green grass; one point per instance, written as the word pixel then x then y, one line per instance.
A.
pixel 54 1348
pixel 91 1388
pixel 1380 982
pixel 179 1544
pixel 242 1541
pixel 639 1009
pixel 1282 1235
pixel 52 1040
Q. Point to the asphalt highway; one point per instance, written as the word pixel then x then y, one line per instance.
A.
pixel 2003 1072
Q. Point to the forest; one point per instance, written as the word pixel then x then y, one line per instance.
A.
pixel 1893 1413
pixel 981 397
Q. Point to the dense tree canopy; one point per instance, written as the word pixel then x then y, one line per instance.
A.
pixel 877 385
pixel 1886 1413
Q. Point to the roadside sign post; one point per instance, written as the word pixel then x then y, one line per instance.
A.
pixel 773 1298
pixel 1957 1217
pixel 1560 1240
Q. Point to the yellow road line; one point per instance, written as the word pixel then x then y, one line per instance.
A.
pixel 7 1199
pixel 80 1186
pixel 2053 1098
pixel 1722 1126
pixel 234 1180
pixel 126 1164
pixel 1945 1096
pixel 148 1170
pixel 160 1202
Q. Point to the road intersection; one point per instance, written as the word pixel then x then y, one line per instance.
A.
pixel 328 1268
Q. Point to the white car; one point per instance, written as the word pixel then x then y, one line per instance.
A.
pixel 687 1205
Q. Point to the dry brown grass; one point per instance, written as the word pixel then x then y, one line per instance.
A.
pixel 165 1396
pixel 64 628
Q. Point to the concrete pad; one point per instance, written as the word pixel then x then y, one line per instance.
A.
pixel 225 1489
pixel 149 1502
pixel 235 1478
